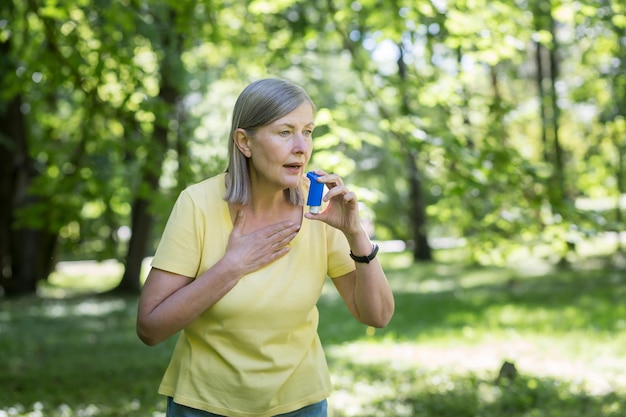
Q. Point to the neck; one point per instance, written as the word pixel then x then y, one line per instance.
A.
pixel 266 210
pixel 261 203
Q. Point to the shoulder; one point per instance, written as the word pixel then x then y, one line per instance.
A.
pixel 210 189
pixel 215 183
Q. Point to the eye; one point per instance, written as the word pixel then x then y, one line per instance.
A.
pixel 308 132
pixel 284 133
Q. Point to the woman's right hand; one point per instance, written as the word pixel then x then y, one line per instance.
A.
pixel 254 250
pixel 169 302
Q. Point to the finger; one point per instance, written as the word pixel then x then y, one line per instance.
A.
pixel 280 240
pixel 279 253
pixel 320 172
pixel 349 196
pixel 287 238
pixel 335 191
pixel 332 180
pixel 279 230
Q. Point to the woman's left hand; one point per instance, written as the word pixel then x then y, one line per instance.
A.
pixel 365 290
pixel 342 211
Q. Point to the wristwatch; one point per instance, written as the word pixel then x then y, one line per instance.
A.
pixel 365 259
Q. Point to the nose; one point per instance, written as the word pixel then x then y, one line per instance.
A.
pixel 301 144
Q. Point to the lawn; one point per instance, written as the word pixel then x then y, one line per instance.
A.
pixel 71 352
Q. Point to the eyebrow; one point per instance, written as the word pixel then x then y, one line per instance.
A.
pixel 293 126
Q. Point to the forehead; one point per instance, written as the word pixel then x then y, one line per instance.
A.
pixel 303 114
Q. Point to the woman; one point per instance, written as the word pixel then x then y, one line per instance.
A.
pixel 240 268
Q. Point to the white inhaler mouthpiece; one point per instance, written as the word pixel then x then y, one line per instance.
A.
pixel 316 189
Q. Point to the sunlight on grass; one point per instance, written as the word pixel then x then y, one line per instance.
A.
pixel 397 260
pixel 463 375
pixel 84 308
pixel 72 278
pixel 454 326
pixel 64 410
pixel 563 330
pixel 84 345
pixel 85 276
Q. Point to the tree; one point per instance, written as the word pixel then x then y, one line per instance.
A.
pixel 18 248
pixel 167 44
pixel 32 221
pixel 485 122
pixel 355 30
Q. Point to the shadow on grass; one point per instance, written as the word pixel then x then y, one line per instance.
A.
pixel 443 301
pixel 80 355
pixel 435 299
pixel 400 393
pixel 77 356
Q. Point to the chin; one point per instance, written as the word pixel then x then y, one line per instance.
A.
pixel 293 179
pixel 292 184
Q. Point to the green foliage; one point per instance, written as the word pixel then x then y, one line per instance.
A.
pixel 472 121
pixel 451 85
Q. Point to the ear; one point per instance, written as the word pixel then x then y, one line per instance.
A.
pixel 242 141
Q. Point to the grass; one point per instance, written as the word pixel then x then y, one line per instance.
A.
pixel 454 327
pixel 70 352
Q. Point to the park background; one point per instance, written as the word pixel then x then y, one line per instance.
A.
pixel 485 140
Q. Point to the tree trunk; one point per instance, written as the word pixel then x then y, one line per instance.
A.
pixel 621 190
pixel 142 222
pixel 548 104
pixel 16 278
pixel 26 253
pixel 142 218
pixel 559 173
pixel 7 175
pixel 619 91
pixel 421 249
pixel 541 99
pixel 550 115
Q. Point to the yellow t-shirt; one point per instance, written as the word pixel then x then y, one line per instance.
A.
pixel 256 352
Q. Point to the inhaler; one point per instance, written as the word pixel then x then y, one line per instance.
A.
pixel 314 200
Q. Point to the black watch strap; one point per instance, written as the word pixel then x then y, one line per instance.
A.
pixel 365 259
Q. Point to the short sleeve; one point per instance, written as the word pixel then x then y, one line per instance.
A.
pixel 180 248
pixel 339 261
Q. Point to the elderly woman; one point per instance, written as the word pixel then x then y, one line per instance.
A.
pixel 241 265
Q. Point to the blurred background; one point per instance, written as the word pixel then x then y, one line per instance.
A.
pixel 485 140
pixel 495 126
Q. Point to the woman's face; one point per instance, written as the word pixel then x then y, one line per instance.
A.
pixel 279 152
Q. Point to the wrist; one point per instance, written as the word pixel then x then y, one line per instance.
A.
pixel 231 267
pixel 365 259
pixel 359 241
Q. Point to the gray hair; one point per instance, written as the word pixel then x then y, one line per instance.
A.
pixel 259 104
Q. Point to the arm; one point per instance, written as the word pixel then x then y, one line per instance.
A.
pixel 169 301
pixel 365 291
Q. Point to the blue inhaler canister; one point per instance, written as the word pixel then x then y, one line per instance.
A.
pixel 316 189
